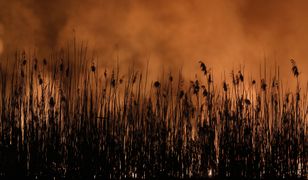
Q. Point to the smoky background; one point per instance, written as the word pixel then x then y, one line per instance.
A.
pixel 169 35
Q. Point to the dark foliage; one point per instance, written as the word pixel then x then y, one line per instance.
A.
pixel 82 125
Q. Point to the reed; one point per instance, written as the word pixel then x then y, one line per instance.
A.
pixel 64 116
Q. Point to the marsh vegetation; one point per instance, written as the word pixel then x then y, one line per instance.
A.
pixel 64 116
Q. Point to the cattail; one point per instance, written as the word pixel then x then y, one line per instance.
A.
pixel 67 72
pixel 203 67
pixel 225 86
pixel 235 78
pixel 61 66
pixel 52 102
pixel 63 99
pixel 247 102
pixel 210 80
pixel 40 79
pixel 44 61
pixel 181 94
pixel 287 98
pixel 105 73
pixel 253 82
pixel 170 78
pixel 113 82
pixel 294 68
pixel 24 62
pixel 241 77
pixel 35 64
pixel 205 93
pixel 263 85
pixel 195 86
pixel 156 84
pixel 274 83
pixel 134 78
pixel 297 96
pixel 93 68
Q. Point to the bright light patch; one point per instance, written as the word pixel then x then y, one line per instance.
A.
pixel 210 173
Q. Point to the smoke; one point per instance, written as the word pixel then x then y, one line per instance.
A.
pixel 1 46
pixel 170 34
pixel 52 17
pixel 33 24
pixel 1 43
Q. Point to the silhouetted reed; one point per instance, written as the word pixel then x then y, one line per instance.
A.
pixel 70 118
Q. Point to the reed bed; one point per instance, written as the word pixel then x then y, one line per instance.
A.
pixel 65 117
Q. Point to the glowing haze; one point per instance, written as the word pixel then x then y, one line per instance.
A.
pixel 172 34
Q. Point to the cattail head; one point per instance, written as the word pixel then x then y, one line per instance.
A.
pixel 203 67
pixel 253 82
pixel 287 97
pixel 196 87
pixel 113 82
pixel 105 73
pixel 63 99
pixel 247 102
pixel 263 84
pixel 134 78
pixel 205 92
pixel 225 86
pixel 67 72
pixel 241 76
pixel 297 96
pixel 181 94
pixel 61 66
pixel 40 79
pixel 44 62
pixel 156 84
pixel 170 78
pixel 52 102
pixel 23 58
pixel 210 79
pixel 235 78
pixel 93 68
pixel 294 68
pixel 275 83
pixel 35 64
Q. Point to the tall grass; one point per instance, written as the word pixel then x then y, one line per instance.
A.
pixel 64 116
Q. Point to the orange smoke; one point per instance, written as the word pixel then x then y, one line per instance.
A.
pixel 1 46
pixel 170 34
pixel 1 42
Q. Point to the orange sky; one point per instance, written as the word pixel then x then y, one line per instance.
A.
pixel 173 33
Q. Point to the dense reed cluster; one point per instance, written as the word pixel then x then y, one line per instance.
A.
pixel 64 116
